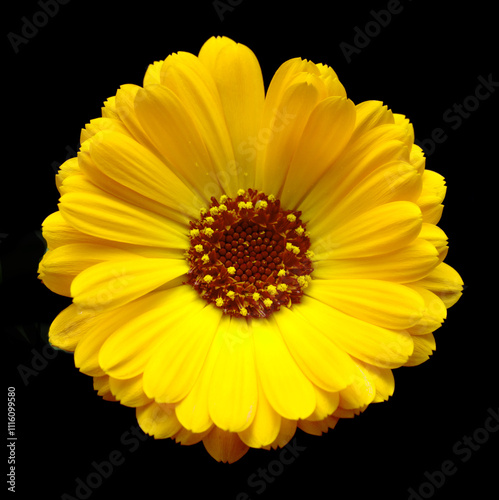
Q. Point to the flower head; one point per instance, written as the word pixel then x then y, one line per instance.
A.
pixel 244 263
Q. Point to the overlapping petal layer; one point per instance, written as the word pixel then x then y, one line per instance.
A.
pixel 203 127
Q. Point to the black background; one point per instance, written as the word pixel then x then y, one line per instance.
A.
pixel 426 60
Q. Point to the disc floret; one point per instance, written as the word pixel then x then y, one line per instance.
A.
pixel 248 255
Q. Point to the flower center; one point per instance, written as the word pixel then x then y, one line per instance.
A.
pixel 248 255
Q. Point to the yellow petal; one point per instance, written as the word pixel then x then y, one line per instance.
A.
pixel 361 392
pixel 99 328
pixel 68 168
pixel 327 402
pixel 281 131
pixel 365 341
pixel 124 109
pixel 239 81
pixel 129 392
pixel 286 432
pixel 288 390
pixel 386 304
pixel 383 229
pixel 370 114
pixel 224 446
pixel 382 145
pixel 445 282
pixel 111 284
pixel 325 135
pixel 433 315
pixel 60 266
pixel 188 438
pixel 101 385
pixel 193 410
pixel 265 425
pixel 158 420
pixel 127 351
pixel 431 197
pixel 125 161
pixel 424 345
pixel 99 124
pixel 189 79
pixel 70 326
pixel 333 86
pixel 417 158
pixel 233 395
pixel 383 380
pixel 57 232
pixel 172 130
pixel 317 428
pixel 178 360
pixel 410 263
pixel 319 359
pixel 393 181
pixel 153 73
pixel 436 237
pixel 107 217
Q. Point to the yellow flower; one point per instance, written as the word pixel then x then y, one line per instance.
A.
pixel 243 264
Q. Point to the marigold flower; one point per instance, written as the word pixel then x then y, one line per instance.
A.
pixel 244 263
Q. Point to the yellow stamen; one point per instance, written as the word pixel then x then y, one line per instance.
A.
pixel 256 296
pixel 208 231
pixel 205 258
pixel 223 198
pixel 243 311
pixel 194 232
pixel 248 205
pixel 231 270
pixel 267 302
pixel 222 208
pixel 209 220
pixel 219 302
pixel 282 287
pixel 303 281
pixel 241 192
pixel 282 272
pixel 292 248
pixel 214 210
pixel 272 289
pixel 198 248
pixel 299 231
pixel 291 217
pixel 261 204
pixel 208 278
